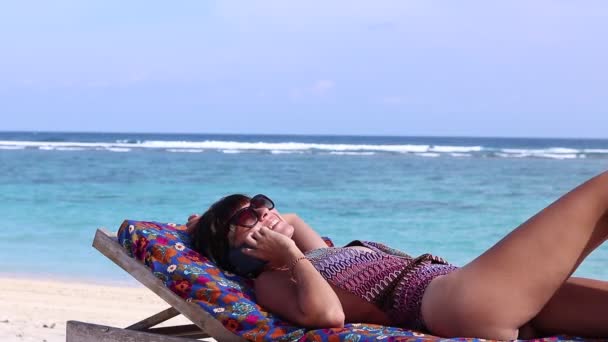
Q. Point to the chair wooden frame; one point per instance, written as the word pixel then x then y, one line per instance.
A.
pixel 205 325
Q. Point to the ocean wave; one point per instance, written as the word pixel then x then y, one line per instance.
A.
pixel 551 150
pixel 461 149
pixel 184 150
pixel 429 154
pixel 69 148
pixel 512 155
pixel 595 150
pixel 61 148
pixel 283 146
pixel 547 153
pixel 542 155
pixel 118 149
pixel 562 150
pixel 234 147
pixel 128 141
pixel 557 155
pixel 353 153
pixel 461 154
pixel 285 152
pixel 51 145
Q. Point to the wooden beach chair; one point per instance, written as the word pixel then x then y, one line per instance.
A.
pixel 204 325
pixel 219 304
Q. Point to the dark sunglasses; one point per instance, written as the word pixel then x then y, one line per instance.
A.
pixel 248 217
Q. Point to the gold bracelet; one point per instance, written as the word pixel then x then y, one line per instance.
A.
pixel 292 268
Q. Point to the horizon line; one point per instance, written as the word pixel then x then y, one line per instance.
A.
pixel 305 134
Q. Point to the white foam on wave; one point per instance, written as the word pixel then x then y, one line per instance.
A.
pixel 549 153
pixel 353 153
pixel 462 149
pixel 557 155
pixel 429 154
pixel 284 146
pixel 538 154
pixel 460 155
pixel 562 150
pixel 118 149
pixel 223 146
pixel 233 147
pixel 542 155
pixel 285 152
pixel 595 150
pixel 12 147
pixel 70 148
pixel 513 155
pixel 551 150
pixel 53 145
pixel 185 150
pixel 58 148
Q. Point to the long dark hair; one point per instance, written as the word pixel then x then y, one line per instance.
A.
pixel 210 235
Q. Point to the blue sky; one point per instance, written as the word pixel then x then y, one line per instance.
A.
pixel 472 68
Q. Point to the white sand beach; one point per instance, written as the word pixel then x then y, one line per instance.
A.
pixel 37 310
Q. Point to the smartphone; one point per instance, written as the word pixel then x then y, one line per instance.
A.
pixel 245 265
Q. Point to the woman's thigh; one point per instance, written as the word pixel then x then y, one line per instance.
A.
pixel 448 311
pixel 578 308
pixel 509 284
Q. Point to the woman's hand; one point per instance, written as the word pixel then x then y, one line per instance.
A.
pixel 278 249
pixel 192 221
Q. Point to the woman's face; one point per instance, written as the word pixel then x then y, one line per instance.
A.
pixel 269 218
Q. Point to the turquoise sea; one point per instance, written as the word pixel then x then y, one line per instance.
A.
pixel 450 196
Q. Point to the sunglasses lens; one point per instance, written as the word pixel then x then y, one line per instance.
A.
pixel 261 201
pixel 246 218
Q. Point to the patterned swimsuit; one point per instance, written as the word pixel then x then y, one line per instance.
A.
pixel 388 278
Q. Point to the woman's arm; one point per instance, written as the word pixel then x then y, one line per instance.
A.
pixel 308 301
pixel 304 236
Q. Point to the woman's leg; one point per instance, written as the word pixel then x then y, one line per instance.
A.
pixel 578 308
pixel 509 284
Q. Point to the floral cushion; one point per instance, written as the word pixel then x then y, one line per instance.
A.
pixel 165 249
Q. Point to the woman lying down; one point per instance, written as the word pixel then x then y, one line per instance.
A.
pixel 519 288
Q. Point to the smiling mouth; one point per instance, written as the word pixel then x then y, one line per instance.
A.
pixel 273 223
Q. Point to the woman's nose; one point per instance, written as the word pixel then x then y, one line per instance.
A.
pixel 262 213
